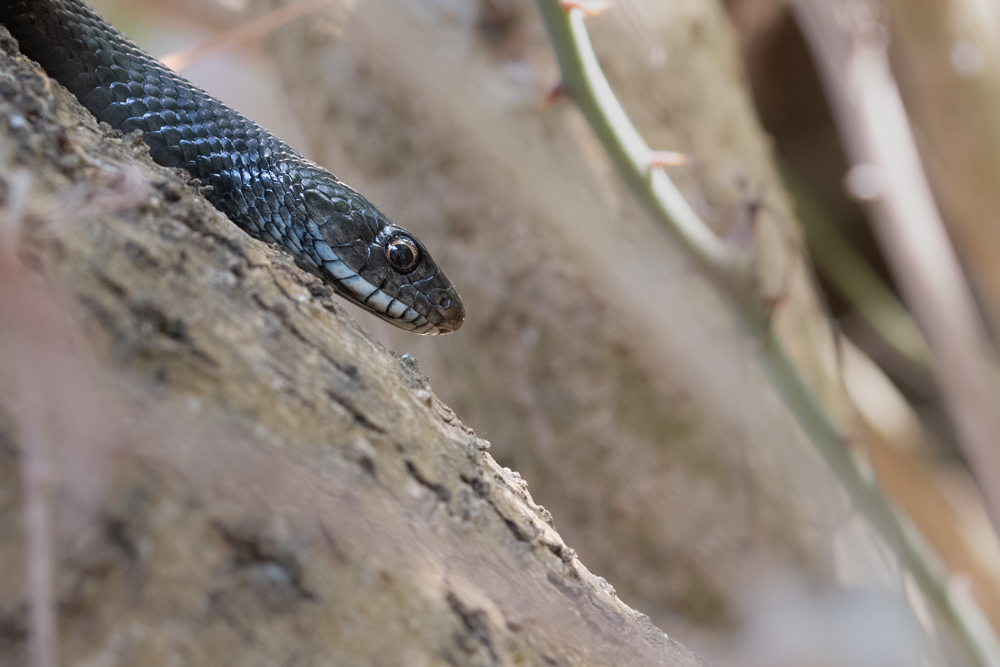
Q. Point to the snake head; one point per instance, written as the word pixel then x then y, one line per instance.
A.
pixel 376 264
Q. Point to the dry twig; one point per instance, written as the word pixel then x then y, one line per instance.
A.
pixel 849 42
pixel 243 34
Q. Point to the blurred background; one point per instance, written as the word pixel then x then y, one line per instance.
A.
pixel 596 358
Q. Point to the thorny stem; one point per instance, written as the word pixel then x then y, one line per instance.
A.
pixel 35 464
pixel 583 80
pixel 732 270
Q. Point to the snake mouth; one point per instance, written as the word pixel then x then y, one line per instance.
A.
pixel 398 313
pixel 445 315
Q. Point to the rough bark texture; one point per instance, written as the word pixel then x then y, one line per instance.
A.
pixel 253 480
pixel 595 357
pixel 249 478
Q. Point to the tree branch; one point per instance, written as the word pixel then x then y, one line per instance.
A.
pixel 249 474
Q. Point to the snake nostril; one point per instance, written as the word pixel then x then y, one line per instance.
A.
pixel 442 300
pixel 449 307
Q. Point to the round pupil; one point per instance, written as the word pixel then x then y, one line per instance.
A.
pixel 402 253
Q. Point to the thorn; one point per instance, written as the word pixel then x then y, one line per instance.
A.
pixel 558 91
pixel 854 443
pixel 773 303
pixel 742 234
pixel 666 159
pixel 588 7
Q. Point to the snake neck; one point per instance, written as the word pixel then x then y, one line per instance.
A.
pixel 257 180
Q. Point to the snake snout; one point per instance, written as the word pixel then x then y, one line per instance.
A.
pixel 449 306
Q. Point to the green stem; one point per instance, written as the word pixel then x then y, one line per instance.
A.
pixel 959 611
pixel 856 281
pixel 583 79
pixel 732 271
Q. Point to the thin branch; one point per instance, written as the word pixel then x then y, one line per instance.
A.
pixel 858 283
pixel 35 482
pixel 849 44
pixel 583 80
pixel 36 469
pixel 732 268
pixel 248 32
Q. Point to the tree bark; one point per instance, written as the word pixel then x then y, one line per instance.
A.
pixel 599 362
pixel 230 469
pixel 238 474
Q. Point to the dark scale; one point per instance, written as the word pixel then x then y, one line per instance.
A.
pixel 257 180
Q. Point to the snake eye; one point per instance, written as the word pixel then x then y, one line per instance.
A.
pixel 402 253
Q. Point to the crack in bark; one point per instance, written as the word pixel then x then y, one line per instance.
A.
pixel 476 623
pixel 443 494
pixel 281 312
pixel 272 570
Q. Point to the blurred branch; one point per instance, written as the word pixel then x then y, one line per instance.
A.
pixel 35 468
pixel 849 43
pixel 856 281
pixel 36 478
pixel 584 81
pixel 731 268
pixel 945 55
pixel 248 32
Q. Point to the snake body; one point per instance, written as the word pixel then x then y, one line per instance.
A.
pixel 263 185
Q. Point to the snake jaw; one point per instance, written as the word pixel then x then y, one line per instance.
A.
pixel 423 288
pixel 355 243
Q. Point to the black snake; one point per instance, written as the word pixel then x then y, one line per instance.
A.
pixel 257 180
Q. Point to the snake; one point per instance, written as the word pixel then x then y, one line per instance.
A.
pixel 257 180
